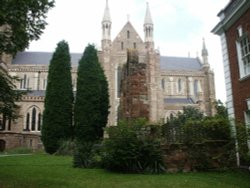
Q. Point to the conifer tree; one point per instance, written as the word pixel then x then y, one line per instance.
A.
pixel 57 117
pixel 92 98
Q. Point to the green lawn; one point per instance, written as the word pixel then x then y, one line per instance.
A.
pixel 41 170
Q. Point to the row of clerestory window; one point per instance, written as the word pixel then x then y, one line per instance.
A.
pixel 180 86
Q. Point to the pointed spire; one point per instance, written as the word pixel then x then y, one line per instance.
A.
pixel 204 51
pixel 106 16
pixel 148 29
pixel 106 28
pixel 148 18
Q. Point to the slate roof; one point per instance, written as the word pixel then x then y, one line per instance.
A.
pixel 180 63
pixel 36 93
pixel 178 101
pixel 40 58
pixel 166 62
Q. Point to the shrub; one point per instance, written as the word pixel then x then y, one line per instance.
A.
pixel 242 143
pixel 216 128
pixel 133 148
pixel 67 147
pixel 87 155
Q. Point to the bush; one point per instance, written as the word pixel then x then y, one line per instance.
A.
pixel 242 142
pixel 87 155
pixel 132 148
pixel 66 147
pixel 216 128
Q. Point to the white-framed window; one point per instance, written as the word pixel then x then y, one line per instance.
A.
pixel 247 113
pixel 243 52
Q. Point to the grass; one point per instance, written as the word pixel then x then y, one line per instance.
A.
pixel 41 170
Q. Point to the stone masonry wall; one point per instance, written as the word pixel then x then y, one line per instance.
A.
pixel 134 91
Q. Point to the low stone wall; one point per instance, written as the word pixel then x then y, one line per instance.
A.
pixel 205 156
pixel 14 140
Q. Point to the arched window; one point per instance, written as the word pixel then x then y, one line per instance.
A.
pixel 27 122
pixel 122 46
pixel 163 84
pixel 128 34
pixel 196 89
pixel 39 121
pixel 33 119
pixel 24 81
pixel 33 122
pixel 179 85
pixel 44 84
pixel 134 45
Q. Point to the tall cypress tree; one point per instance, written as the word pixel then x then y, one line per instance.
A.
pixel 92 98
pixel 57 116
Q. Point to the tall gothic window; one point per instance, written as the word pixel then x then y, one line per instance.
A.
pixel 196 87
pixel 134 45
pixel 179 85
pixel 33 121
pixel 39 121
pixel 122 46
pixel 44 84
pixel 27 122
pixel 119 79
pixel 128 34
pixel 24 81
pixel 163 84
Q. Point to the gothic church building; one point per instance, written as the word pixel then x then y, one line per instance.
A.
pixel 171 82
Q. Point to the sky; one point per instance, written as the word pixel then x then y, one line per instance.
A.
pixel 179 27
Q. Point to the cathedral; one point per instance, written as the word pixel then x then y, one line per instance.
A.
pixel 169 83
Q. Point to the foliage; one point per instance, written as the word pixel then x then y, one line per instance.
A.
pixel 191 127
pixel 87 155
pixel 189 113
pixel 242 143
pixel 57 116
pixel 9 96
pixel 21 21
pixel 92 99
pixel 213 128
pixel 132 148
pixel 66 147
pixel 221 109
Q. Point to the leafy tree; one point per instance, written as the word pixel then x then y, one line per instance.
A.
pixel 21 21
pixel 57 117
pixel 8 96
pixel 221 109
pixel 92 99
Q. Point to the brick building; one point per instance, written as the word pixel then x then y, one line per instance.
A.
pixel 234 31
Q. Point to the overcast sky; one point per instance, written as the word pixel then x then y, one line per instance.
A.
pixel 179 26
